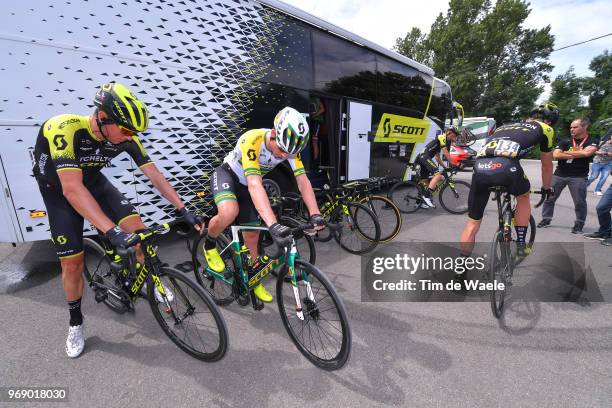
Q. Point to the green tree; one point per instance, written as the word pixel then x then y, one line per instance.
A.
pixel 570 93
pixel 494 65
pixel 566 92
pixel 599 90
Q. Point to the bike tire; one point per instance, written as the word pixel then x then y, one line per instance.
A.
pixel 387 215
pixel 305 244
pixel 500 268
pixel 407 196
pixel 323 311
pixel 454 199
pixel 189 302
pixel 222 293
pixel 361 234
pixel 97 266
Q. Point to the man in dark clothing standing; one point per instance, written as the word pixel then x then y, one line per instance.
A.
pixel 573 157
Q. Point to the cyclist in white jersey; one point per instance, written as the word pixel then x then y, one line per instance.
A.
pixel 238 189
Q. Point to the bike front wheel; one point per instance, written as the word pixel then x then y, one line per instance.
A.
pixel 500 272
pixel 387 214
pixel 319 326
pixel 187 315
pixel 454 196
pixel 407 196
pixel 360 230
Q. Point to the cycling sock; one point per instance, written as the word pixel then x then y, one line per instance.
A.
pixel 76 317
pixel 521 231
pixel 210 242
pixel 427 192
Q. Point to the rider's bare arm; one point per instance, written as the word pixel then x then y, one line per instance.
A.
pixel 81 199
pixel 260 199
pixel 546 160
pixel 162 185
pixel 307 194
pixel 446 154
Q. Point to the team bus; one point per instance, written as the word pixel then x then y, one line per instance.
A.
pixel 208 70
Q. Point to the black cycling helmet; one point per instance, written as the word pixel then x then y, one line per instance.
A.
pixel 547 111
pixel 120 104
pixel 453 128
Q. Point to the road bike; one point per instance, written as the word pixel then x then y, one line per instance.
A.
pixel 185 312
pixel 502 255
pixel 408 194
pixel 311 310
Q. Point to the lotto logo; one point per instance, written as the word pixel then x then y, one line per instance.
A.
pixel 490 166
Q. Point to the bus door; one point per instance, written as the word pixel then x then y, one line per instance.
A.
pixel 359 122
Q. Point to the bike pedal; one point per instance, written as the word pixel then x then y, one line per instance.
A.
pixel 257 304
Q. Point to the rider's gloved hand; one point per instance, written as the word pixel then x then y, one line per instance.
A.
pixel 280 234
pixel 190 218
pixel 119 238
pixel 317 220
pixel 547 192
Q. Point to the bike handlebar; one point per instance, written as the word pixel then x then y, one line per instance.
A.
pixel 296 232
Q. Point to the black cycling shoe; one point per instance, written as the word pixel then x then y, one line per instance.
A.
pixel 544 223
pixel 577 228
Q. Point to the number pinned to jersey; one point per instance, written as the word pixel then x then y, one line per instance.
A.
pixel 500 148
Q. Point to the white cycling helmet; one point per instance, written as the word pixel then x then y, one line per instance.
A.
pixel 292 133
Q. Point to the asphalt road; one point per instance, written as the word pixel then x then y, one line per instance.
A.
pixel 404 353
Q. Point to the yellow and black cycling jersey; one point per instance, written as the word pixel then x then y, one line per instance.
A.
pixel 252 157
pixel 435 146
pixel 515 140
pixel 67 142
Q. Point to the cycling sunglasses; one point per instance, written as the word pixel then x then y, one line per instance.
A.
pixel 125 131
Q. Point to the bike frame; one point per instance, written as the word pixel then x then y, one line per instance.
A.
pixel 151 263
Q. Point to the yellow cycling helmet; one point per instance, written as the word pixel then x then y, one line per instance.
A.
pixel 120 104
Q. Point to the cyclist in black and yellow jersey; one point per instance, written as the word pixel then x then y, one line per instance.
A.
pixel 498 164
pixel 429 168
pixel 69 154
pixel 239 193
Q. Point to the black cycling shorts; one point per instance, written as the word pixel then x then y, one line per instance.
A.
pixel 225 186
pixel 428 166
pixel 490 172
pixel 66 224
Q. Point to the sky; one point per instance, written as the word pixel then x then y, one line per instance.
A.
pixel 383 21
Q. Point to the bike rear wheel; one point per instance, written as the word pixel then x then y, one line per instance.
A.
pixel 188 315
pixel 454 196
pixel 360 232
pixel 98 269
pixel 407 196
pixel 222 293
pixel 320 328
pixel 387 214
pixel 500 272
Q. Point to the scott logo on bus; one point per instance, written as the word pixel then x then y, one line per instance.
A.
pixel 404 129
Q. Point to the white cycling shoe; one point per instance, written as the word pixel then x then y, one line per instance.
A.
pixel 75 343
pixel 427 201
